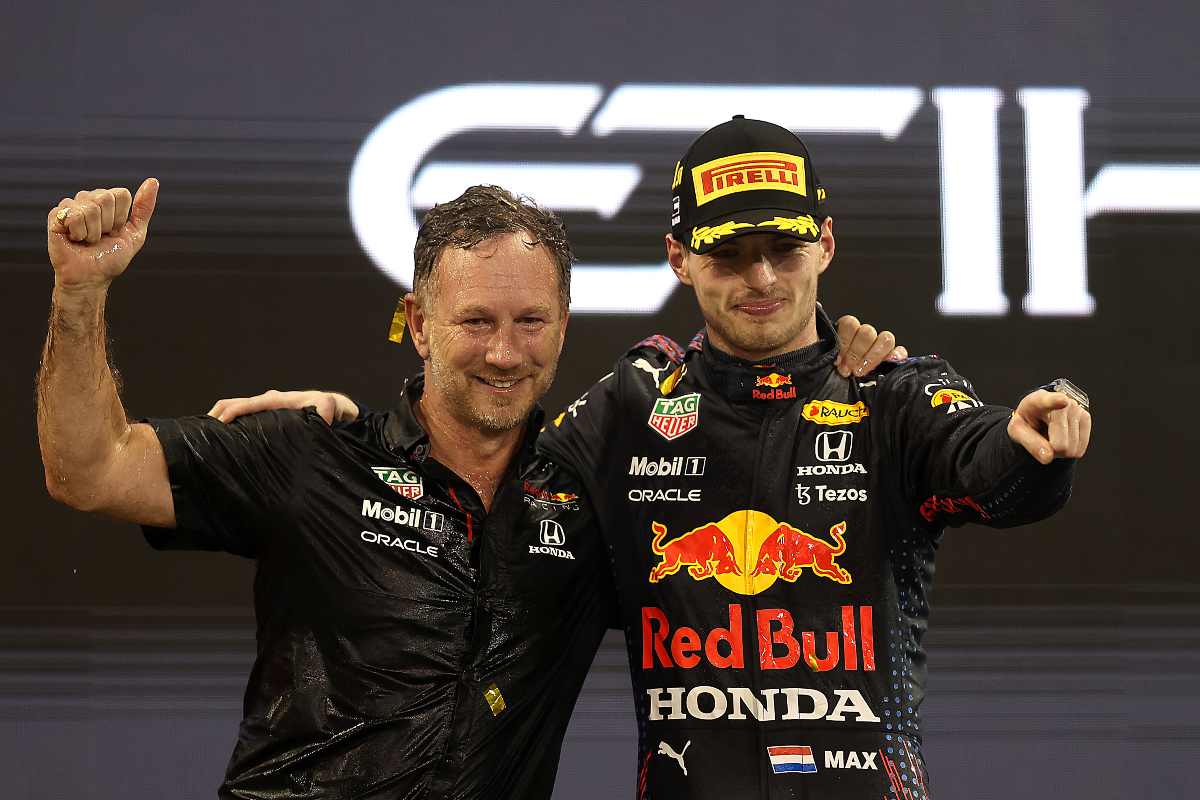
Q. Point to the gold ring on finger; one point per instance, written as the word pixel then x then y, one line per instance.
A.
pixel 62 216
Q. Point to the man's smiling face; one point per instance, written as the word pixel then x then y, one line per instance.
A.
pixel 493 330
pixel 757 292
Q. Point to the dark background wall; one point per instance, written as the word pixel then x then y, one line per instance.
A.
pixel 1064 655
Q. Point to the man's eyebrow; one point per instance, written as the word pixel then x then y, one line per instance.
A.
pixel 472 311
pixel 482 311
pixel 540 308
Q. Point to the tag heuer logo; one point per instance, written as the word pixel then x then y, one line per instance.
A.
pixel 406 482
pixel 672 417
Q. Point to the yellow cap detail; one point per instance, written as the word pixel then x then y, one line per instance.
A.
pixel 709 234
pixel 801 224
pixel 396 332
pixel 494 699
pixel 678 179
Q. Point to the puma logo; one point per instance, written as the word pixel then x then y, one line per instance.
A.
pixel 645 366
pixel 664 749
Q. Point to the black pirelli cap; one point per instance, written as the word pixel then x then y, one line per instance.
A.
pixel 745 176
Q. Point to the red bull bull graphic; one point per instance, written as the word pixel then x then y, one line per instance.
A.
pixel 788 551
pixel 774 380
pixel 547 495
pixel 747 551
pixel 705 551
pixel 780 646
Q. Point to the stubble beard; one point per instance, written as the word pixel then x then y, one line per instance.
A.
pixel 456 391
pixel 762 340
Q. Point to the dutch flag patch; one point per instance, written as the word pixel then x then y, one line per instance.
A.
pixel 791 758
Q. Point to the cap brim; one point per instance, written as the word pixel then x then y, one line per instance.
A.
pixel 716 232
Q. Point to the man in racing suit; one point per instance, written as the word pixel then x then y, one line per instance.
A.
pixel 429 591
pixel 773 524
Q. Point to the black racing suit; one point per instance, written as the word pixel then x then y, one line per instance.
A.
pixel 773 528
pixel 410 644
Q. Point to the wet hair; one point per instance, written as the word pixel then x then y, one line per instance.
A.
pixel 480 213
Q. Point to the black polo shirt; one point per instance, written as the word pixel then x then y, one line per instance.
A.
pixel 410 644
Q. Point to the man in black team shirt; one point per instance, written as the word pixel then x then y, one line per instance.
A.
pixel 773 520
pixel 430 591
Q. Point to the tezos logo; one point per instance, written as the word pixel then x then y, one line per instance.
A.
pixel 405 482
pixel 826 494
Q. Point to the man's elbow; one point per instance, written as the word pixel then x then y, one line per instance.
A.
pixel 77 494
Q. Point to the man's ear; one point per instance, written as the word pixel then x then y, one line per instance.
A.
pixel 828 245
pixel 562 333
pixel 414 313
pixel 677 257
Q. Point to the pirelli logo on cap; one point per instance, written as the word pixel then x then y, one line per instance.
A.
pixel 747 172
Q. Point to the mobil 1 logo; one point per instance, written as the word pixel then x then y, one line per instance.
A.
pixel 675 467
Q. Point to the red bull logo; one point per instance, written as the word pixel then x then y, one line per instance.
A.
pixel 747 551
pixel 780 646
pixel 829 412
pixel 775 391
pixel 746 172
pixel 404 482
pixel 774 380
pixel 547 496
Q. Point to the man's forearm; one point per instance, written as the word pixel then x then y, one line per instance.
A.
pixel 81 421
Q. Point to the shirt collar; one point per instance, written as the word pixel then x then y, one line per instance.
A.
pixel 788 376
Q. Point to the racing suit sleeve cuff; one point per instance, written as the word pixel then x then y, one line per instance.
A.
pixel 1029 491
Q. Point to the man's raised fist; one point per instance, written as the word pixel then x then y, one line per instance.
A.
pixel 92 237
